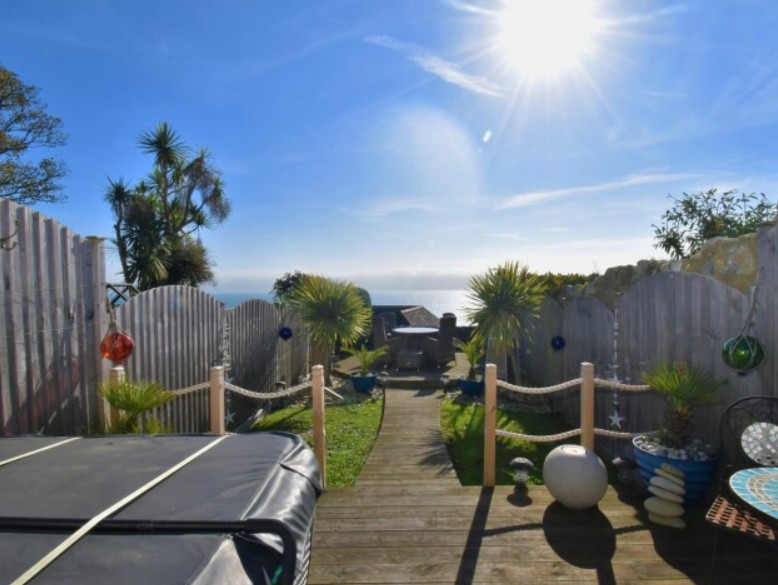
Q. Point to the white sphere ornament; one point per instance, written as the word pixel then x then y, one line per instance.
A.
pixel 575 476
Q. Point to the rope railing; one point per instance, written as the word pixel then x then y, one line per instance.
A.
pixel 217 386
pixel 587 383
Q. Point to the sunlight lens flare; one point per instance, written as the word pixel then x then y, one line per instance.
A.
pixel 543 38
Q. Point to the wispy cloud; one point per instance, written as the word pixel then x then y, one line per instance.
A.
pixel 387 207
pixel 536 197
pixel 468 7
pixel 439 67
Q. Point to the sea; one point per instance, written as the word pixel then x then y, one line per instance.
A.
pixel 435 301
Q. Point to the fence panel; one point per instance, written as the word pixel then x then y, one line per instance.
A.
pixel 53 302
pixel 177 332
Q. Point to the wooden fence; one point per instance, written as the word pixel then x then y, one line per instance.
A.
pixel 53 299
pixel 180 332
pixel 675 316
pixel 53 303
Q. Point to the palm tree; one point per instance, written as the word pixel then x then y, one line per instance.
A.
pixel 331 311
pixel 156 220
pixel 505 300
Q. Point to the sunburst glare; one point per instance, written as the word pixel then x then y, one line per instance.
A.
pixel 544 39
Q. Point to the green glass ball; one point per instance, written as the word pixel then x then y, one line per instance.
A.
pixel 742 353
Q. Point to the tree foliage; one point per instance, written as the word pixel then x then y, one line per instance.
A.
pixel 694 219
pixel 156 219
pixel 332 311
pixel 24 125
pixel 284 286
pixel 504 301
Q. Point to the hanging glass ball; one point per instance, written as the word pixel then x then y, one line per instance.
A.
pixel 117 345
pixel 558 342
pixel 285 333
pixel 742 353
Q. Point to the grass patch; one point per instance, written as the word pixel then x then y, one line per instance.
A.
pixel 462 423
pixel 352 427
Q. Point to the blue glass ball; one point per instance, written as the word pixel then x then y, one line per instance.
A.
pixel 558 342
pixel 285 333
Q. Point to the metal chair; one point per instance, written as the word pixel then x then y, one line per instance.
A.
pixel 741 448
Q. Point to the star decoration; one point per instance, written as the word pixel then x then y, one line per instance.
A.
pixel 616 419
pixel 229 418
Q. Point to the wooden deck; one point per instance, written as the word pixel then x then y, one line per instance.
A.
pixel 409 521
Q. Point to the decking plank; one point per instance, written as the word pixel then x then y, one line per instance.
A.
pixel 409 521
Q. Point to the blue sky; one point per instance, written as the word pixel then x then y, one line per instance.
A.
pixel 411 143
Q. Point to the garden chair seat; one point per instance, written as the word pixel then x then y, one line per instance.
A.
pixel 738 452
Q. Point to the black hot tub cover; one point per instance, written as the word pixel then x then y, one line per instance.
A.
pixel 240 513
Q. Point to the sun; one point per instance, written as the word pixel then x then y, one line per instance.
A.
pixel 545 38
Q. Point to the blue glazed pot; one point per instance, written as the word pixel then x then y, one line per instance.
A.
pixel 364 384
pixel 470 387
pixel 698 475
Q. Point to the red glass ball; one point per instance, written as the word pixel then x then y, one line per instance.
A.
pixel 117 346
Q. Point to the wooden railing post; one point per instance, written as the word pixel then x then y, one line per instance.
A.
pixel 587 405
pixel 490 425
pixel 217 400
pixel 116 375
pixel 319 430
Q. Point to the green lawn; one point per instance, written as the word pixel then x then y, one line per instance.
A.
pixel 352 428
pixel 462 423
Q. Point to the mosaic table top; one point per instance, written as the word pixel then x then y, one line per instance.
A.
pixel 757 487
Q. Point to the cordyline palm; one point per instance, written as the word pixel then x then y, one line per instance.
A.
pixel 331 311
pixel 504 302
pixel 684 386
pixel 155 219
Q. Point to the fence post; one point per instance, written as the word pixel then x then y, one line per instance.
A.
pixel 490 425
pixel 319 430
pixel 217 400
pixel 587 405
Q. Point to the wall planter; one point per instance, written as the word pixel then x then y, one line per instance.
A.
pixel 470 387
pixel 698 473
pixel 364 384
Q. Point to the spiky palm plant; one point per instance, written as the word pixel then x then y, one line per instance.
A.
pixel 132 399
pixel 473 350
pixel 684 386
pixel 504 301
pixel 366 357
pixel 331 311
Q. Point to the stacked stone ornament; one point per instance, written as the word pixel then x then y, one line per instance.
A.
pixel 668 488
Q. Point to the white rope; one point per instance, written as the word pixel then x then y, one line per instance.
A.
pixel 615 434
pixel 539 438
pixel 545 390
pixel 60 549
pixel 566 435
pixel 622 387
pixel 191 389
pixel 268 395
pixel 36 451
pixel 335 394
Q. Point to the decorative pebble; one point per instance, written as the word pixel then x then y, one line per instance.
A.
pixel 672 469
pixel 665 495
pixel 670 477
pixel 662 507
pixel 667 521
pixel 668 485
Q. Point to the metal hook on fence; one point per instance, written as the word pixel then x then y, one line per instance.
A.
pixel 5 242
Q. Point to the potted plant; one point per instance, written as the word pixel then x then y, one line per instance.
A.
pixel 474 351
pixel 684 386
pixel 365 381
